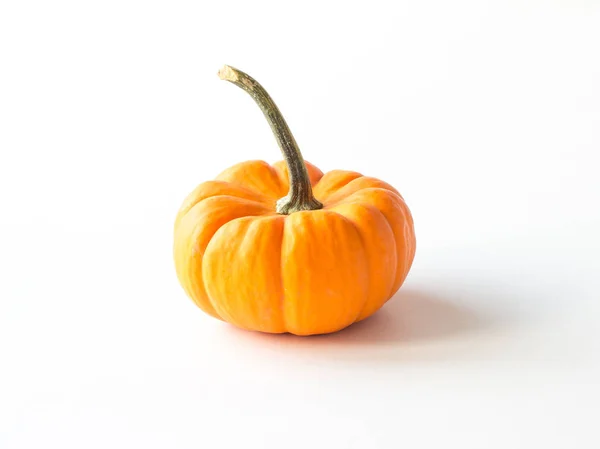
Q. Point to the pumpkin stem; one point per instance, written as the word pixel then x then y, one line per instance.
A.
pixel 300 196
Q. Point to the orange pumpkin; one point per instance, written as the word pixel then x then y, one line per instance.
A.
pixel 286 248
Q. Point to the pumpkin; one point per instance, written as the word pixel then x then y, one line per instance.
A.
pixel 284 248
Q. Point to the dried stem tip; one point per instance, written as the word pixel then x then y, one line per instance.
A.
pixel 228 74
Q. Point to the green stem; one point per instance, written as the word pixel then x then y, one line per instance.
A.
pixel 300 196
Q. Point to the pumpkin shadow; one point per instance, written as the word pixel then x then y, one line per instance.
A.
pixel 411 316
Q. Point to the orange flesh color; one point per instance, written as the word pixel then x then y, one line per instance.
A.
pixel 309 272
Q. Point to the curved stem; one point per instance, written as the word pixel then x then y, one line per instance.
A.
pixel 300 196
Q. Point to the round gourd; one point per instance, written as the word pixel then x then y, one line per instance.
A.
pixel 286 248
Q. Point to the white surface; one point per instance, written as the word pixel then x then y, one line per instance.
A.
pixel 485 115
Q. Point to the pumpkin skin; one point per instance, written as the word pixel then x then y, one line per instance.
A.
pixel 309 272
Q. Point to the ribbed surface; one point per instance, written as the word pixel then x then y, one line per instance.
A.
pixel 306 273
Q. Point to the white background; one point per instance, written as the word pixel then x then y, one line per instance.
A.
pixel 485 115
